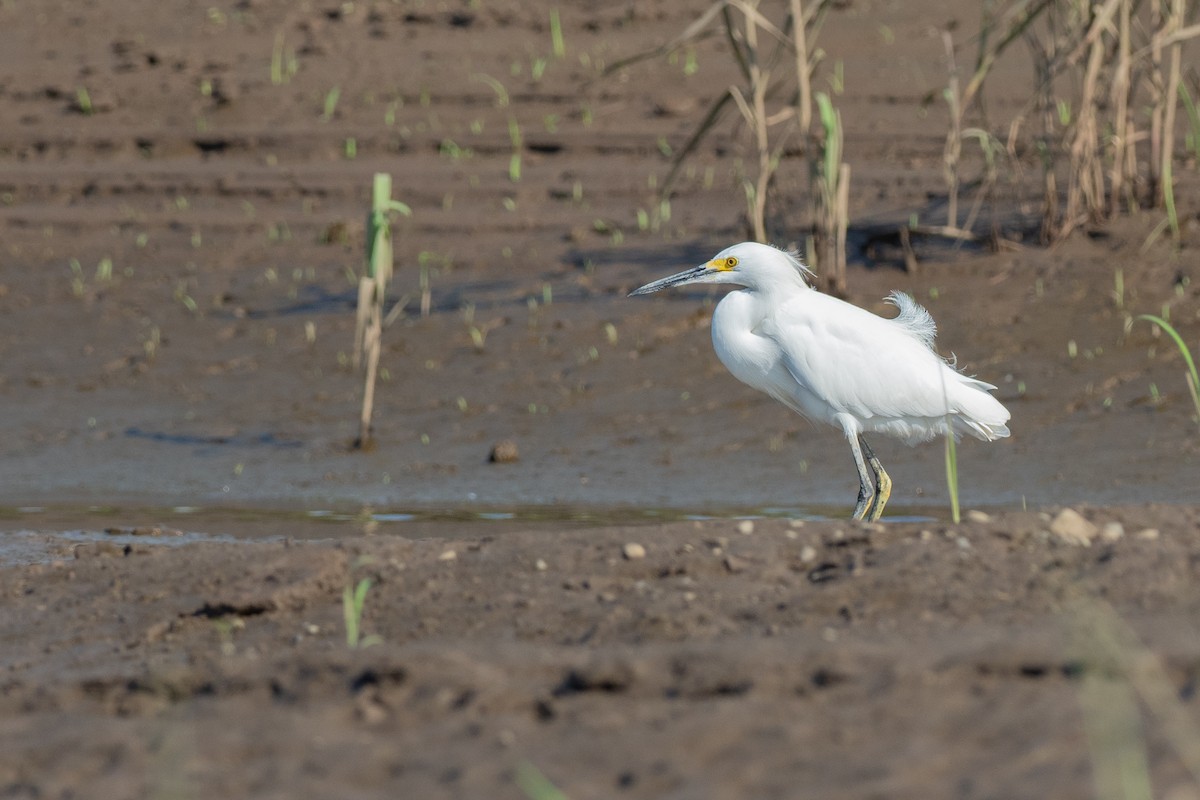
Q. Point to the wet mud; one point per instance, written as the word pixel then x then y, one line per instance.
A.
pixel 182 200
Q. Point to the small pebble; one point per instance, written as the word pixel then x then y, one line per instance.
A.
pixel 746 527
pixel 1112 531
pixel 1149 534
pixel 448 555
pixel 963 543
pixel 795 523
pixel 504 452
pixel 633 551
pixel 371 712
pixel 978 516
pixel 540 565
pixel 808 554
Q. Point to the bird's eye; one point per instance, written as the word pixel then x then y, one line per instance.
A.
pixel 731 262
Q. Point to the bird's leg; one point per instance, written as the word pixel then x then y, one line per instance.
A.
pixel 866 486
pixel 883 483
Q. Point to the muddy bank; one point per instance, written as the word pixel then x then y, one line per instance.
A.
pixel 724 659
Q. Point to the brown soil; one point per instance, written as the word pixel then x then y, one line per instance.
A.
pixel 913 659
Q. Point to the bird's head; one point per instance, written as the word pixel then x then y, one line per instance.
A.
pixel 749 264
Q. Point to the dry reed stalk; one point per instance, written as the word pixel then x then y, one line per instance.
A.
pixel 750 35
pixel 1159 106
pixel 1123 155
pixel 372 293
pixel 1173 25
pixel 1085 186
pixel 830 200
pixel 759 79
pixel 803 67
pixel 953 148
pixel 841 223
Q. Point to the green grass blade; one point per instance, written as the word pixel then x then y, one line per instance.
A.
pixel 556 34
pixel 535 785
pixel 952 474
pixel 350 617
pixel 1192 378
pixel 1193 117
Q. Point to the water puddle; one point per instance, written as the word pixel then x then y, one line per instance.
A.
pixel 40 534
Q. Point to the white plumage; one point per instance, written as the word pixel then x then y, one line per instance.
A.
pixel 839 364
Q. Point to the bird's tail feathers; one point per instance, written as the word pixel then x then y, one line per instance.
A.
pixel 977 412
pixel 988 431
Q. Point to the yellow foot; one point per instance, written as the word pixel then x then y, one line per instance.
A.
pixel 883 490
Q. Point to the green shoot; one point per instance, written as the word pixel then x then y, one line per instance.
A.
pixel 535 785
pixel 283 62
pixel 84 101
pixel 952 475
pixel 1193 135
pixel 1119 670
pixel 514 162
pixel 478 339
pixel 353 601
pixel 1168 190
pixel 1193 380
pixel 331 101
pixel 497 87
pixel 556 35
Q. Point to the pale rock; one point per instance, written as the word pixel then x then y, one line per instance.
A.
pixel 1070 527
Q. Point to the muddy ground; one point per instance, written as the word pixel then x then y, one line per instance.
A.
pixel 181 230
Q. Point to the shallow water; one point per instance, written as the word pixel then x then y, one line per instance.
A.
pixel 40 534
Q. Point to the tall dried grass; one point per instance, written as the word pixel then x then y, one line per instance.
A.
pixel 775 102
pixel 1101 70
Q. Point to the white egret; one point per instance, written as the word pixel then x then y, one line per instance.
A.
pixel 836 363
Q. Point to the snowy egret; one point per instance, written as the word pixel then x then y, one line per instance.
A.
pixel 836 363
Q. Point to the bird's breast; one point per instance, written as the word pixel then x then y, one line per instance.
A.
pixel 748 355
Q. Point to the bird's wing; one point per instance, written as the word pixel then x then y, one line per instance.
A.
pixel 856 362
